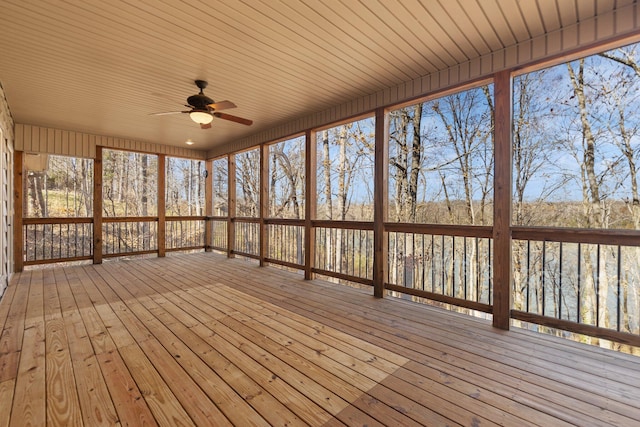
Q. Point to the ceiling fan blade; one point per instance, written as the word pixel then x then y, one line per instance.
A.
pixel 167 112
pixel 222 105
pixel 233 118
pixel 203 126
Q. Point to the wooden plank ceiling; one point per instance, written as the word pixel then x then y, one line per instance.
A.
pixel 102 66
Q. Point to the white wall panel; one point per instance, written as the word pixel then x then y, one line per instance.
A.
pixel 6 192
pixel 38 139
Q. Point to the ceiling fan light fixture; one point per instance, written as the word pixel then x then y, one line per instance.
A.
pixel 201 117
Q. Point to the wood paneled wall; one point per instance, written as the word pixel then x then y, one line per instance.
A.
pixel 559 45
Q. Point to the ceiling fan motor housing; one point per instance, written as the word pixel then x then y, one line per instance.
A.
pixel 199 101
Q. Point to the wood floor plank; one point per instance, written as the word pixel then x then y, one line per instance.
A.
pixel 7 389
pixel 162 402
pixel 79 343
pixel 11 337
pixel 13 309
pixel 8 295
pixel 493 373
pixel 118 333
pixel 191 397
pixel 95 401
pixel 9 365
pixel 29 402
pixel 131 407
pixel 63 406
pixel 96 330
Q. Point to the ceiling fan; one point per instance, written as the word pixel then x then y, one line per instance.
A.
pixel 203 109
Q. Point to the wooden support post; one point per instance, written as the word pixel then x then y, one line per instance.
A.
pixel 502 202
pixel 97 207
pixel 18 205
pixel 310 203
pixel 208 203
pixel 231 190
pixel 264 202
pixel 380 202
pixel 162 214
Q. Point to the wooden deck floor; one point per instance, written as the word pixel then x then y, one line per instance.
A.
pixel 201 339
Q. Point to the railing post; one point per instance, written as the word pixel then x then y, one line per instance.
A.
pixel 264 202
pixel 97 207
pixel 231 215
pixel 502 202
pixel 18 200
pixel 208 203
pixel 310 203
pixel 162 215
pixel 380 202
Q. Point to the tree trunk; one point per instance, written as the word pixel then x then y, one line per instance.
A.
pixel 590 182
pixel 416 162
pixel 326 166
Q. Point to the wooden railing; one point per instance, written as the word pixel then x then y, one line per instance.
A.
pixel 285 242
pixel 184 233
pixel 219 234
pixel 582 281
pixel 57 239
pixel 247 237
pixel 344 250
pixel 450 264
pixel 129 236
pixel 50 240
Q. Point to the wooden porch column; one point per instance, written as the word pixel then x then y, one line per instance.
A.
pixel 97 207
pixel 264 202
pixel 310 202
pixel 231 215
pixel 18 200
pixel 502 202
pixel 208 205
pixel 162 233
pixel 380 202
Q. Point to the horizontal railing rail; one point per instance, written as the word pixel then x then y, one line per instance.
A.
pixel 109 219
pixel 285 221
pixel 578 235
pixel 65 220
pixel 481 231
